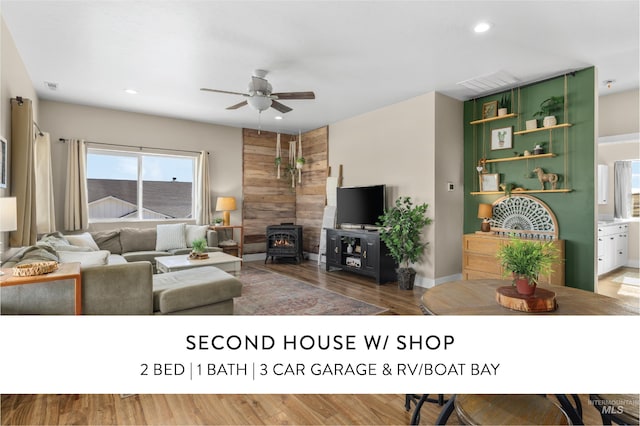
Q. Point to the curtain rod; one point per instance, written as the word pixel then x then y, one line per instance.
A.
pixel 38 127
pixel 63 140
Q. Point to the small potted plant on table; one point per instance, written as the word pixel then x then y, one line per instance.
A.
pixel 525 260
pixel 198 249
pixel 401 231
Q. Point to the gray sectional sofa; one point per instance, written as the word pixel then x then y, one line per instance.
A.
pixel 125 284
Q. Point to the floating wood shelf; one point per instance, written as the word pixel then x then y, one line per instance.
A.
pixel 486 120
pixel 528 191
pixel 539 129
pixel 528 157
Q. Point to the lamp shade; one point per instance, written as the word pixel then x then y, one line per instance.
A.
pixel 485 211
pixel 8 214
pixel 225 203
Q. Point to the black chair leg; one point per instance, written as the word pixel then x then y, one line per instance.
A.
pixel 419 401
pixel 573 411
pixel 447 409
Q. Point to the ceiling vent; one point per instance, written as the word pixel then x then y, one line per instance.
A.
pixel 51 85
pixel 490 82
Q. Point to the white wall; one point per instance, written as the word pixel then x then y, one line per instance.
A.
pixel 14 81
pixel 397 146
pixel 63 120
pixel 619 115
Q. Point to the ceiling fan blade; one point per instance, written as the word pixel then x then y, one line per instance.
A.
pixel 295 95
pixel 223 91
pixel 280 107
pixel 239 105
pixel 260 84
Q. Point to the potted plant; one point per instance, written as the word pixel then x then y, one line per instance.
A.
pixel 503 104
pixel 401 231
pixel 547 108
pixel 198 248
pixel 525 260
pixel 218 221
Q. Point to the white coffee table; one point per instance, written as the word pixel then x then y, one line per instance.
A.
pixel 220 260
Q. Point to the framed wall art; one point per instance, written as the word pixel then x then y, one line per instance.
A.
pixel 4 162
pixel 501 138
pixel 489 109
pixel 489 182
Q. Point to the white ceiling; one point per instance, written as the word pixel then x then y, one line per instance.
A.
pixel 356 56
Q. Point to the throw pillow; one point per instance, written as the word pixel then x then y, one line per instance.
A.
pixel 195 232
pixel 82 240
pixel 108 240
pixel 134 239
pixel 171 237
pixel 86 259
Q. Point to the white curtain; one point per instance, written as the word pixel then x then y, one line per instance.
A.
pixel 45 212
pixel 622 189
pixel 76 209
pixel 203 214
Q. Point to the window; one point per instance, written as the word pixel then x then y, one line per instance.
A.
pixel 131 185
pixel 635 188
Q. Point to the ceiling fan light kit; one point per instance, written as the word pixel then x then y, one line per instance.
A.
pixel 260 97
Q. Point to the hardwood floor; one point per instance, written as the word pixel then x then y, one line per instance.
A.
pixel 628 293
pixel 181 409
pixel 185 409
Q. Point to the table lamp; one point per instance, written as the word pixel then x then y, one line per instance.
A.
pixel 225 205
pixel 8 218
pixel 485 211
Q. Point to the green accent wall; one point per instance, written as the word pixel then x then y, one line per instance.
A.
pixel 574 163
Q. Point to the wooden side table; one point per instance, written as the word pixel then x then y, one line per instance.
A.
pixel 65 271
pixel 235 250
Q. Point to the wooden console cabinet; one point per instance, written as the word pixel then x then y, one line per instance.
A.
pixel 479 259
pixel 368 255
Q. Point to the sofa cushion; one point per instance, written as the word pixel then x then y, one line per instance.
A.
pixel 82 240
pixel 148 255
pixel 108 240
pixel 171 236
pixel 134 239
pixel 194 232
pixel 86 259
pixel 190 288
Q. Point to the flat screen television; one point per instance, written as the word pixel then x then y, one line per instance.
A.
pixel 360 205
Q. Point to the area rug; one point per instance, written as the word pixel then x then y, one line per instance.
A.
pixel 630 278
pixel 270 293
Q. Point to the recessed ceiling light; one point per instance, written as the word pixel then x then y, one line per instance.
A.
pixel 482 27
pixel 277 117
pixel 131 91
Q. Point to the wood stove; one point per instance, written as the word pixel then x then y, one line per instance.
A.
pixel 285 241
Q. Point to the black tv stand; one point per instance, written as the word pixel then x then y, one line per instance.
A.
pixel 367 256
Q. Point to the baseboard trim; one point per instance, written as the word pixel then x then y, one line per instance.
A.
pixel 429 282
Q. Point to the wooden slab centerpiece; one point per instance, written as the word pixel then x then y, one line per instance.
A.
pixel 542 300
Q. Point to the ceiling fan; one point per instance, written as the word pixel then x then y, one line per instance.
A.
pixel 260 97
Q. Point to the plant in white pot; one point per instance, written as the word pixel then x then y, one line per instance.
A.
pixel 547 109
pixel 524 260
pixel 401 230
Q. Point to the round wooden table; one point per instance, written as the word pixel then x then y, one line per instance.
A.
pixel 509 410
pixel 478 297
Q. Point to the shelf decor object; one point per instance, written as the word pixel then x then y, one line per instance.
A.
pixel 490 109
pixel 525 217
pixel 501 138
pixel 489 182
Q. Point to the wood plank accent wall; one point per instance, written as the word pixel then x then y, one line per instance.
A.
pixel 271 201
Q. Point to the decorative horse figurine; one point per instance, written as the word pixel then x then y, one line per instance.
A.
pixel 543 177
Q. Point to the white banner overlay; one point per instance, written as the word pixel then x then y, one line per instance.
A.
pixel 318 354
